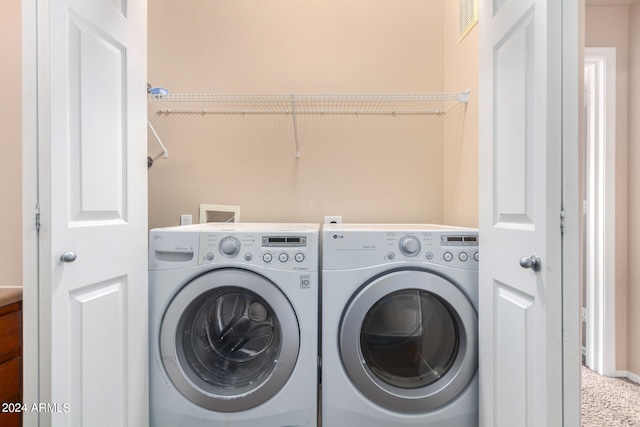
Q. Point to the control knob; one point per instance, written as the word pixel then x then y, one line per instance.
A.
pixel 410 245
pixel 230 246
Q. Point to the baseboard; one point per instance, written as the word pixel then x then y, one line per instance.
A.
pixel 633 377
pixel 626 374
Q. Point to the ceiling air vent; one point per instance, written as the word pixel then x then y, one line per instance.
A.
pixel 467 17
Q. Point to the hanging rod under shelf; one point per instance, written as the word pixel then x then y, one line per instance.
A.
pixel 290 111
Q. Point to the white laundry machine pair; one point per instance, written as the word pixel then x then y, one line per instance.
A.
pixel 399 326
pixel 234 325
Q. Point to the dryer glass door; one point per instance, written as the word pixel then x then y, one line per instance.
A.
pixel 229 340
pixel 410 338
pixel 408 341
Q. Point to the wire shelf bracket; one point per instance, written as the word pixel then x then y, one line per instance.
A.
pixel 295 125
pixel 165 153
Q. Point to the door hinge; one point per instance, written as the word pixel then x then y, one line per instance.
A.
pixel 562 220
pixel 583 314
pixel 585 207
pixel 37 217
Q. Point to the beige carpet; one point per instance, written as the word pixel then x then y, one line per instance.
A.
pixel 608 402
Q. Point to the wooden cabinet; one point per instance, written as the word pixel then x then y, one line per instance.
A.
pixel 10 363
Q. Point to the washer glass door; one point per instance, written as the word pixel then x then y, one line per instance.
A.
pixel 408 341
pixel 229 340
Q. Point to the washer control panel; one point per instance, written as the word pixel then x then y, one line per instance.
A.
pixel 366 247
pixel 288 251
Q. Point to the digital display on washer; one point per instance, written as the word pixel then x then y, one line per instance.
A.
pixel 279 241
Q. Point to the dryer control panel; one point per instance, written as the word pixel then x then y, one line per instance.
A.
pixel 354 246
pixel 461 247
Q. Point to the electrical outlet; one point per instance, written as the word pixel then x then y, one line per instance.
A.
pixel 185 219
pixel 333 219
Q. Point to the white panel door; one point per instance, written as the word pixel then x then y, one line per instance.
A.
pixel 520 312
pixel 92 191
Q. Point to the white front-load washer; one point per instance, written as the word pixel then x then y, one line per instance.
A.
pixel 233 325
pixel 399 325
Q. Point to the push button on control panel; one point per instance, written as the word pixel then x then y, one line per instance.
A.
pixel 283 257
pixel 267 257
pixel 447 256
pixel 299 257
pixel 463 256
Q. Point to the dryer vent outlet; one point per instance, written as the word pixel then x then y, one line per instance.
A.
pixel 333 219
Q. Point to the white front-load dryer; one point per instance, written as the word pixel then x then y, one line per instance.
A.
pixel 399 325
pixel 233 325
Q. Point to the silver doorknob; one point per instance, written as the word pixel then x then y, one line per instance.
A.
pixel 68 257
pixel 533 262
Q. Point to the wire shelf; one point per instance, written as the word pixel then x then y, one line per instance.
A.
pixel 412 103
pixel 296 104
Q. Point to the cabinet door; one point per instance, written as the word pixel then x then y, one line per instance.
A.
pixel 10 365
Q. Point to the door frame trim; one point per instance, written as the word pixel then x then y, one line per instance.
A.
pixel 31 49
pixel 572 67
pixel 601 248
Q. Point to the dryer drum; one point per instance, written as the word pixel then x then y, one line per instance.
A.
pixel 410 339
